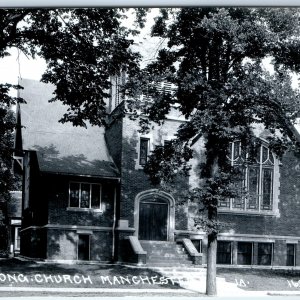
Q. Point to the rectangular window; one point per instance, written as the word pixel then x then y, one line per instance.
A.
pixel 27 182
pixel 85 195
pixel 238 202
pixel 224 253
pixel 17 238
pixel 224 203
pixel 167 143
pixel 83 247
pixel 264 255
pixel 290 254
pixel 74 194
pixel 144 145
pixel 244 255
pixel 236 149
pixel 96 193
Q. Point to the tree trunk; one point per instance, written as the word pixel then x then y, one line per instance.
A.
pixel 211 282
pixel 212 215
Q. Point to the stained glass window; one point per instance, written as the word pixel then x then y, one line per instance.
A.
pixel 267 175
pixel 264 154
pixel 257 174
pixel 253 187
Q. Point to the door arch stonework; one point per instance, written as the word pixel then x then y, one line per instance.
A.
pixel 159 195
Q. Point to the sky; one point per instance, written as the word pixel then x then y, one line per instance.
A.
pixel 18 65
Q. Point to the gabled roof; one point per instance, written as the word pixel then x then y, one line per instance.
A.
pixel 61 148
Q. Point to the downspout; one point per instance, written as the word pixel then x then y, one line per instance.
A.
pixel 114 225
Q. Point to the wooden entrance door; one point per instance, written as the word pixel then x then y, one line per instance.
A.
pixel 153 220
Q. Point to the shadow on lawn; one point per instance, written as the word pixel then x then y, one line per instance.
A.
pixel 15 265
pixel 119 270
pixel 96 272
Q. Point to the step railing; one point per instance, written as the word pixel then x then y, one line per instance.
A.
pixel 192 251
pixel 134 252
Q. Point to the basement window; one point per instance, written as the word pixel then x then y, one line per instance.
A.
pixel 224 253
pixel 290 255
pixel 265 254
pixel 244 255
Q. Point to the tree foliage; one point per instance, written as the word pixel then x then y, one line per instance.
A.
pixel 82 48
pixel 7 123
pixel 216 59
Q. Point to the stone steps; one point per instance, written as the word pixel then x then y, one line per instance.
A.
pixel 166 254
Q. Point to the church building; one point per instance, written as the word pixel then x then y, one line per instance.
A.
pixel 86 197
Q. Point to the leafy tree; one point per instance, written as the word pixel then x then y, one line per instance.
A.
pixel 82 48
pixel 7 123
pixel 215 58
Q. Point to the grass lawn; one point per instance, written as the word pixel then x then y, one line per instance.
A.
pixel 16 273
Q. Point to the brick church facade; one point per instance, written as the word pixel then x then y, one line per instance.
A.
pixel 86 197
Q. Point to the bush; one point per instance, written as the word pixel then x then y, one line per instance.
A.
pixel 3 253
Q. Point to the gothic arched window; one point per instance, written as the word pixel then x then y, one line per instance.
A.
pixel 257 178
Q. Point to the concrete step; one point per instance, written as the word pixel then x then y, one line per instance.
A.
pixel 168 265
pixel 182 270
pixel 160 251
pixel 160 244
pixel 156 242
pixel 168 255
pixel 174 247
pixel 169 260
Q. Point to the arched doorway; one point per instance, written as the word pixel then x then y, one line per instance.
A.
pixel 155 214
